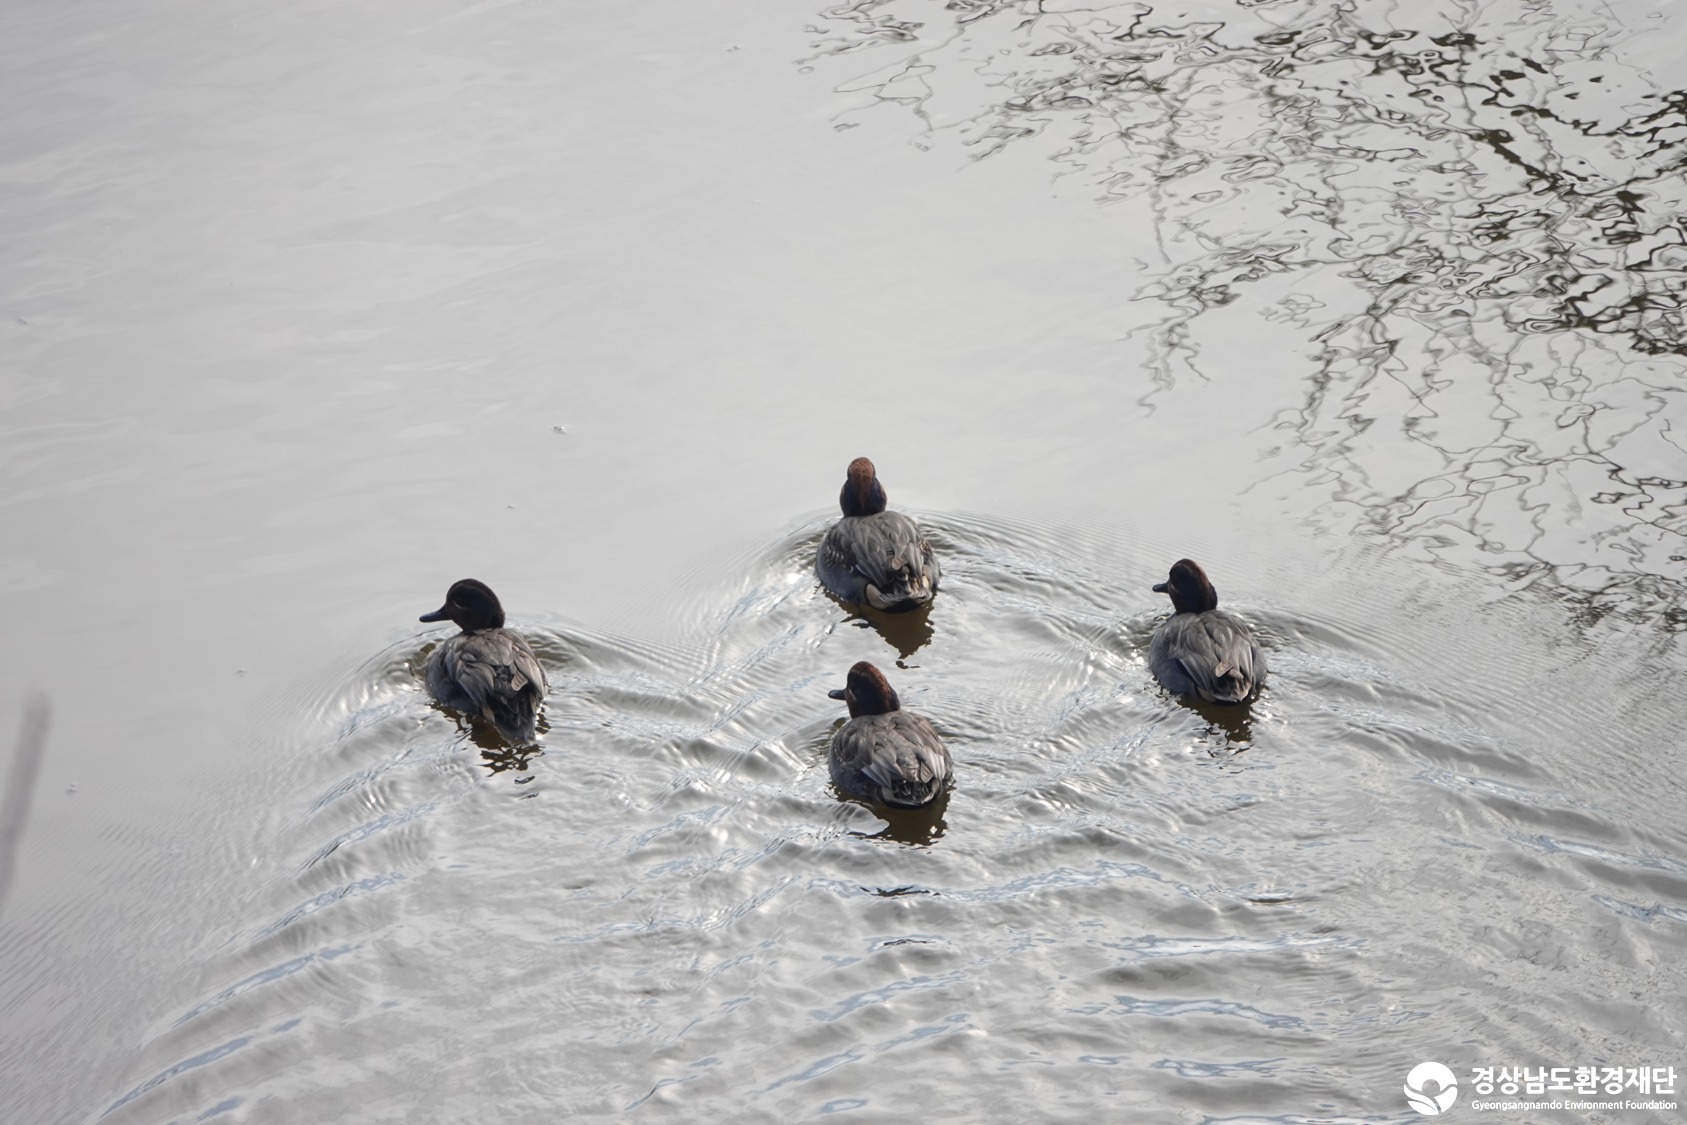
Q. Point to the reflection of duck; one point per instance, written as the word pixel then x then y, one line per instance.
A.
pixel 1201 650
pixel 486 670
pixel 884 753
pixel 874 557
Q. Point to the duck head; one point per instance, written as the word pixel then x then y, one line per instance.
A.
pixel 472 605
pixel 868 693
pixel 1189 589
pixel 862 493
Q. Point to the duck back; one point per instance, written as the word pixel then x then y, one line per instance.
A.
pixel 491 673
pixel 895 758
pixel 880 560
pixel 1212 655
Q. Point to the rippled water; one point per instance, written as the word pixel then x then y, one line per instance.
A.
pixel 1465 217
pixel 312 311
pixel 670 909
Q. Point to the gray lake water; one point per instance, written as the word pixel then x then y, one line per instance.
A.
pixel 311 309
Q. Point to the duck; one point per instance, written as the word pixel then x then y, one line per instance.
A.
pixel 884 753
pixel 486 671
pixel 1200 650
pixel 873 557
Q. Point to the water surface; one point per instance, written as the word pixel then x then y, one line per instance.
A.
pixel 312 311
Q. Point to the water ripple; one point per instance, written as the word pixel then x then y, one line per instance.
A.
pixel 1468 217
pixel 1135 1006
pixel 669 878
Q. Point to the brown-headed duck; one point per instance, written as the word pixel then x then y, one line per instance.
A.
pixel 1201 650
pixel 884 753
pixel 874 557
pixel 486 670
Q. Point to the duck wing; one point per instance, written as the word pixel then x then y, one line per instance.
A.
pixel 896 758
pixel 497 677
pixel 1214 652
pixel 880 560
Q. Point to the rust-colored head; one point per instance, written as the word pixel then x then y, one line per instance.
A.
pixel 1189 589
pixel 868 693
pixel 862 493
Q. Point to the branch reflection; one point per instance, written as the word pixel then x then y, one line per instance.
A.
pixel 1472 213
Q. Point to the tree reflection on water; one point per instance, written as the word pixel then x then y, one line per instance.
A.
pixel 1477 207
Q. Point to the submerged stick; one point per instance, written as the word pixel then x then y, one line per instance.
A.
pixel 20 784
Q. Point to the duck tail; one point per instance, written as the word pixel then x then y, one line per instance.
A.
pixel 1230 684
pixel 910 586
pixel 905 592
pixel 515 714
pixel 911 792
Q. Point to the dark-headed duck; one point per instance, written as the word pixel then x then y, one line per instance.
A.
pixel 486 670
pixel 1201 650
pixel 874 557
pixel 884 753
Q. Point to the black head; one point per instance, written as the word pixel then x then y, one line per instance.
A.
pixel 1189 589
pixel 862 493
pixel 472 605
pixel 868 693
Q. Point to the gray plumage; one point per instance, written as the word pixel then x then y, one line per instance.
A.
pixel 874 557
pixel 884 753
pixel 879 560
pixel 492 674
pixel 1200 650
pixel 486 671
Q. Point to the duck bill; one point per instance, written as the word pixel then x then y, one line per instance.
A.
pixel 440 614
pixel 836 693
pixel 1159 588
